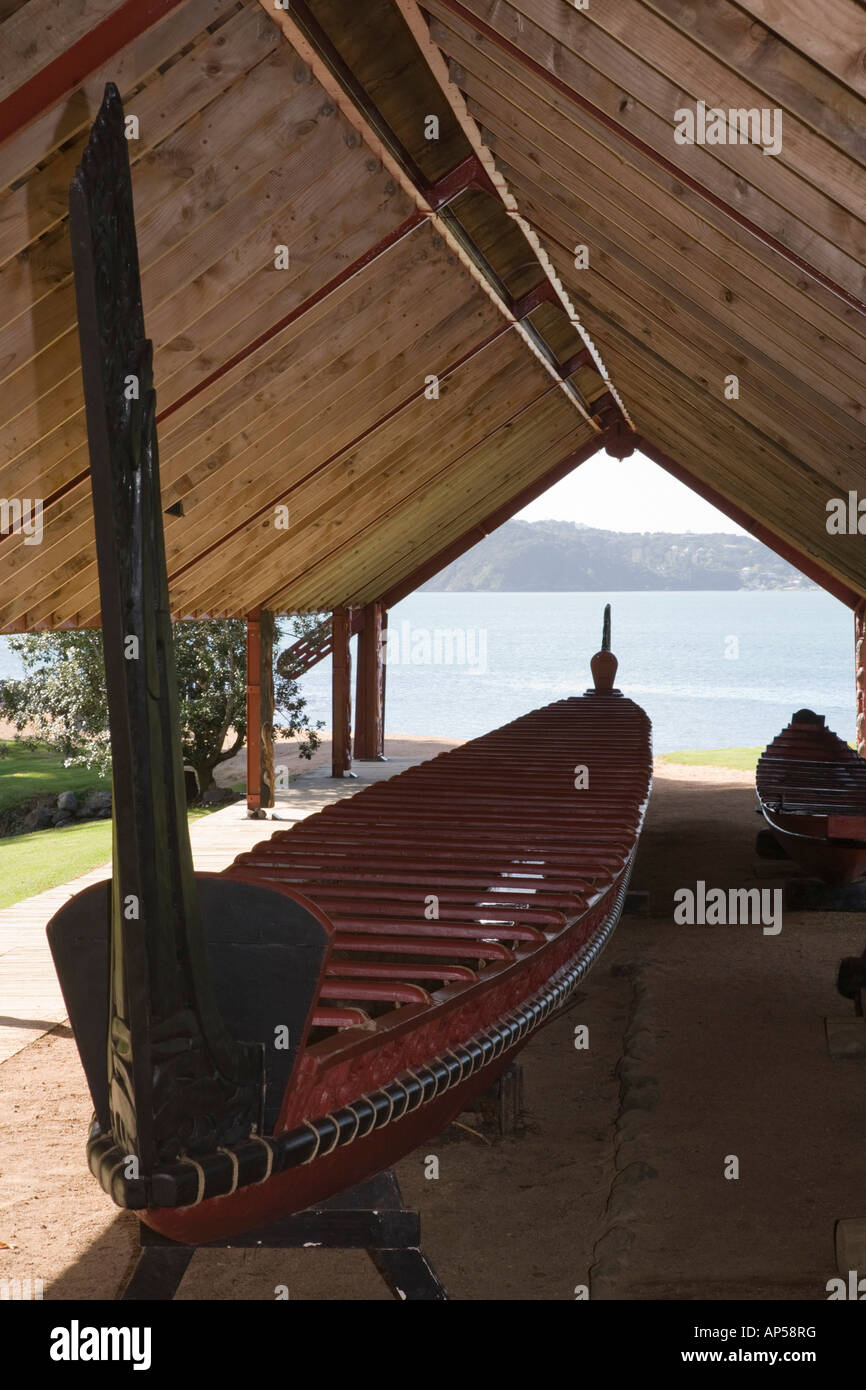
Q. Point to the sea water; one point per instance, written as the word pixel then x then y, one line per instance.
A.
pixel 712 670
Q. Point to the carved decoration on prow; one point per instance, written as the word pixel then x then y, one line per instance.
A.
pixel 604 664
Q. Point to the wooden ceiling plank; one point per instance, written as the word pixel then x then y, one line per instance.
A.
pixel 417 24
pixel 840 567
pixel 183 360
pixel 647 181
pixel 837 42
pixel 163 105
pixel 719 180
pixel 679 338
pixel 193 303
pixel 390 331
pixel 786 75
pixel 42 31
pixel 285 21
pixel 397 449
pixel 839 397
pixel 407 536
pixel 237 136
pixel 737 311
pixel 128 68
pixel 240 397
pixel 68 527
pixel 40 329
pixel 81 590
pixel 496 470
pixel 665 69
pixel 403 440
pixel 265 471
pixel 550 198
pixel 768 465
pixel 763 476
pixel 501 455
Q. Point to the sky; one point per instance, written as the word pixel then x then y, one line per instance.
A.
pixel 628 495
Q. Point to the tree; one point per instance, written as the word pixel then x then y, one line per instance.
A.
pixel 62 695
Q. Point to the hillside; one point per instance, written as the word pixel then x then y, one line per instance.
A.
pixel 548 556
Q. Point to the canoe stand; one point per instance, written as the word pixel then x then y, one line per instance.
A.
pixel 370 1217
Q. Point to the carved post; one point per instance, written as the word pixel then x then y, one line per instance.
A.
pixel 860 673
pixel 341 693
pixel 178 1083
pixel 370 685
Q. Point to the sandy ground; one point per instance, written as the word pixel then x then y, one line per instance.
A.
pixel 706 1043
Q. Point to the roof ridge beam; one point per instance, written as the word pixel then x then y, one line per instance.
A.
pixel 313 46
pixel 432 55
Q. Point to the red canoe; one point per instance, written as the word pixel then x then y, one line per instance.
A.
pixel 463 900
pixel 812 791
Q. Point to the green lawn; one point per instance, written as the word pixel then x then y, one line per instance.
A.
pixel 31 863
pixel 26 772
pixel 743 759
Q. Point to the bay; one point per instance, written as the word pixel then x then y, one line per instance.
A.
pixel 712 669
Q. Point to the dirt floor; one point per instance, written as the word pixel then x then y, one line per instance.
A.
pixel 706 1043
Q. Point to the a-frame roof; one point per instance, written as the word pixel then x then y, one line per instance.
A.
pixel 301 435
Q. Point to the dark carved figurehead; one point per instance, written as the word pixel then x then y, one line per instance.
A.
pixel 179 1085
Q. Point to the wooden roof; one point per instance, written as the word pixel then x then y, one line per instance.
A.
pixel 454 257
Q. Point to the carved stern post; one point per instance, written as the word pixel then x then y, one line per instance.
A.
pixel 178 1085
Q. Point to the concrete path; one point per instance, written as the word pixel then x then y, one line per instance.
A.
pixel 30 999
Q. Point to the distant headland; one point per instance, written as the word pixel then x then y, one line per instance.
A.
pixel 548 556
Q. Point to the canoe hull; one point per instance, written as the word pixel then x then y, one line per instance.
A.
pixel 812 792
pixel 284 1194
pixel 804 839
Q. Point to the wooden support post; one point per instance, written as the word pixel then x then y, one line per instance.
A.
pixel 261 632
pixel 341 693
pixel 267 637
pixel 370 686
pixel 254 714
pixel 860 673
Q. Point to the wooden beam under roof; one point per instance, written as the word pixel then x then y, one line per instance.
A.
pixel 306 37
pixel 47 55
pixel 418 27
